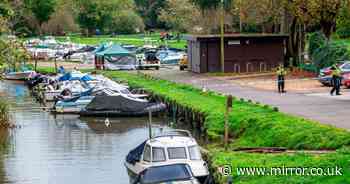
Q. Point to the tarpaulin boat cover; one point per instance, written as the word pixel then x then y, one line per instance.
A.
pixel 135 154
pixel 116 103
pixel 75 76
pixel 167 174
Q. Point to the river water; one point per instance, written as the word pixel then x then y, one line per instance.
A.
pixel 66 149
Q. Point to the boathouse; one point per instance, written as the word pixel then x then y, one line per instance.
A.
pixel 244 53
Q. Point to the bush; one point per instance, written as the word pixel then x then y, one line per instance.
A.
pixel 325 52
pixel 127 23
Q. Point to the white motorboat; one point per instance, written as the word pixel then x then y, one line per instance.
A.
pixel 175 147
pixel 169 57
pixel 24 75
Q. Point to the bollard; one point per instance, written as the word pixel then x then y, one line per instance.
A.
pixel 228 109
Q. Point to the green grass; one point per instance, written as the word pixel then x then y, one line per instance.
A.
pixel 251 125
pixel 341 159
pixel 134 39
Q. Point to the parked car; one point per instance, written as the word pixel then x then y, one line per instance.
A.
pixel 167 174
pixel 346 80
pixel 148 60
pixel 325 74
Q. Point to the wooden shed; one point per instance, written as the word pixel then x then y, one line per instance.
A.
pixel 243 52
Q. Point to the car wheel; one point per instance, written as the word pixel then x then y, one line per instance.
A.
pixel 157 68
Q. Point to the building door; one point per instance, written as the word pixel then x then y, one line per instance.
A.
pixel 214 57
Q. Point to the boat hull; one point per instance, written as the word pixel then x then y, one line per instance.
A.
pixel 19 75
pixel 155 109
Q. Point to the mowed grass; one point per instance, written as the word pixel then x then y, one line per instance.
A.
pixel 340 159
pixel 134 39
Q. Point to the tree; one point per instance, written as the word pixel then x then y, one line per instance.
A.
pixel 104 14
pixel 41 9
pixel 343 20
pixel 149 11
pixel 180 15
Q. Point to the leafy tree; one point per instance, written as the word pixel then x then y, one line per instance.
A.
pixel 180 15
pixel 149 11
pixel 343 20
pixel 126 22
pixel 41 9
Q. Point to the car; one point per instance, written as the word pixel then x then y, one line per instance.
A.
pixel 167 174
pixel 325 74
pixel 346 80
pixel 148 60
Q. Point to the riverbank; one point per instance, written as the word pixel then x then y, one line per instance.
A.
pixel 252 125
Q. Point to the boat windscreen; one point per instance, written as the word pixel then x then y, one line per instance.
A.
pixel 176 172
pixel 135 154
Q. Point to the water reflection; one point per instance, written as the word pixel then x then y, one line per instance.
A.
pixel 66 148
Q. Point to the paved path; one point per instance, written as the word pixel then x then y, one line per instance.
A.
pixel 317 106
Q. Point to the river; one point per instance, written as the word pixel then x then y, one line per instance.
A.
pixel 66 149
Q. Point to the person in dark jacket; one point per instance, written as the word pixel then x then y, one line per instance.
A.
pixel 336 80
pixel 281 73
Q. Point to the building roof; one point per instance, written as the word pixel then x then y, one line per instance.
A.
pixel 234 36
pixel 114 50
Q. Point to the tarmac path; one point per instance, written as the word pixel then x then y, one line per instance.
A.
pixel 332 110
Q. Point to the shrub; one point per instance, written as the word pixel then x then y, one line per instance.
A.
pixel 325 52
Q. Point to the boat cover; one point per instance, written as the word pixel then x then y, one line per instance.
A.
pixel 135 154
pixel 167 174
pixel 75 76
pixel 116 103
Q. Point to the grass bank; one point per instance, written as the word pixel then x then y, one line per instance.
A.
pixel 135 39
pixel 255 125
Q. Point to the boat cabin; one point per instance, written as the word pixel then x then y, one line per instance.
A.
pixel 168 149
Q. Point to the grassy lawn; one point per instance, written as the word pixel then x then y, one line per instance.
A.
pixel 255 125
pixel 134 39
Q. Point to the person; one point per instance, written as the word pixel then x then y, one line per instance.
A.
pixel 336 80
pixel 281 73
pixel 61 70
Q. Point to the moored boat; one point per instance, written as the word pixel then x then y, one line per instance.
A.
pixel 175 147
pixel 21 75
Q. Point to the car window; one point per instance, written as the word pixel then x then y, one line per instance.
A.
pixel 346 66
pixel 147 154
pixel 194 152
pixel 158 154
pixel 177 153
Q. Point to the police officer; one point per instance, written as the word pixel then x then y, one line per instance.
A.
pixel 336 80
pixel 281 73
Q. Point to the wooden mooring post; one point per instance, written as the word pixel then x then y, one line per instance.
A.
pixel 150 124
pixel 228 109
